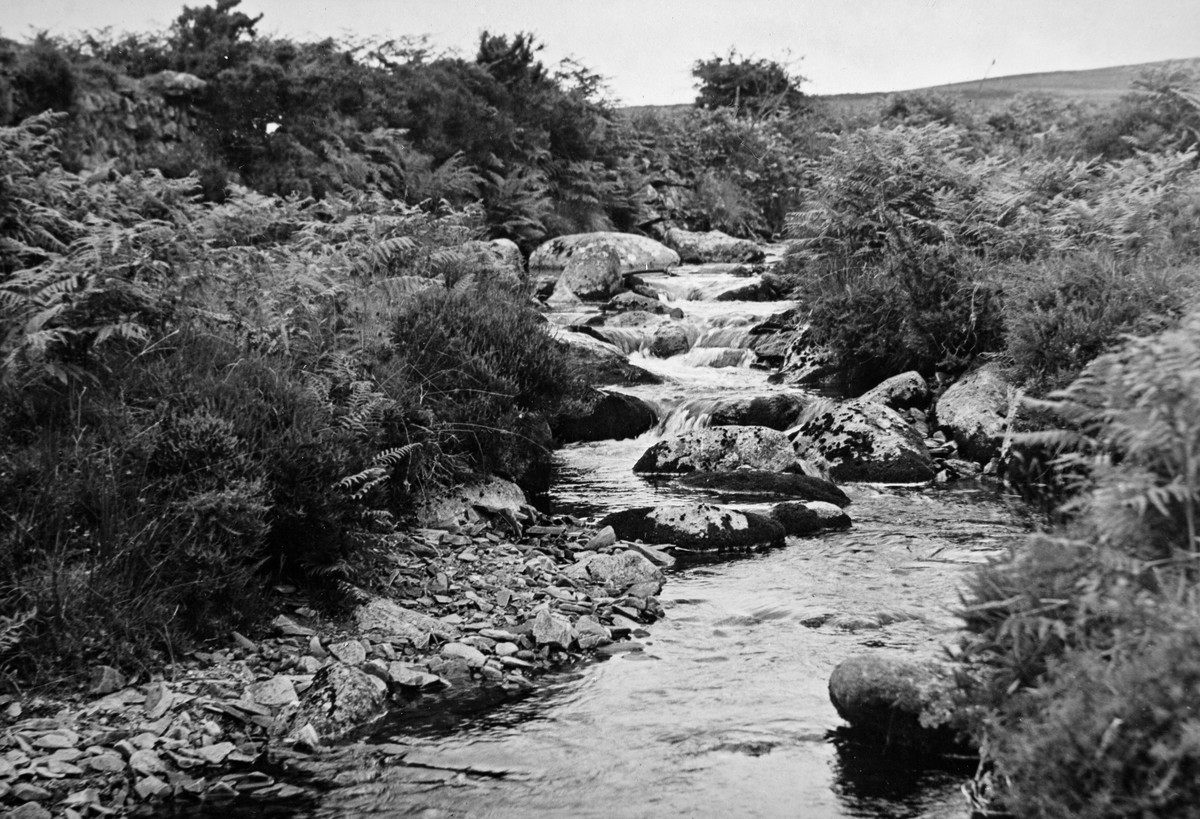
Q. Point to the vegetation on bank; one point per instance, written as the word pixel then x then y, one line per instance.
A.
pixel 243 331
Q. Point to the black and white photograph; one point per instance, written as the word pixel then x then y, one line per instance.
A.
pixel 526 408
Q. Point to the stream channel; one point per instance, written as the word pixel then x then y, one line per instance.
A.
pixel 726 710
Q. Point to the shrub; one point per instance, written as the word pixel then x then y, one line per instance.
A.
pixel 489 372
pixel 1110 734
pixel 1063 312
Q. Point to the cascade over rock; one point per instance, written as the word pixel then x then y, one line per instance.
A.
pixel 599 363
pixel 613 416
pixel 864 441
pixel 720 449
pixel 698 527
pixel 777 410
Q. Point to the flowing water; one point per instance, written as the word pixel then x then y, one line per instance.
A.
pixel 725 712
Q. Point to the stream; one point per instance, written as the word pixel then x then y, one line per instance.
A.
pixel 726 710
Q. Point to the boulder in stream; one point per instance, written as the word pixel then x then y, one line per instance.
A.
pixel 634 253
pixel 712 246
pixel 894 702
pixel 799 518
pixel 599 363
pixel 777 410
pixel 698 527
pixel 903 391
pixel 864 441
pixel 591 273
pixel 758 482
pixel 669 339
pixel 719 449
pixel 974 411
pixel 613 416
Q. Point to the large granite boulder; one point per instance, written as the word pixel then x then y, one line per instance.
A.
pixel 809 518
pixel 615 572
pixel 757 482
pixel 975 410
pixel 903 391
pixel 467 503
pixel 719 449
pixel 591 273
pixel 713 246
pixel 805 362
pixel 634 253
pixel 893 702
pixel 777 410
pixel 599 363
pixel 698 527
pixel 864 441
pixel 613 416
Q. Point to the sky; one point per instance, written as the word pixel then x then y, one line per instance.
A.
pixel 645 48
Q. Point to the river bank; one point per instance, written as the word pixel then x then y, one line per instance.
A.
pixel 476 612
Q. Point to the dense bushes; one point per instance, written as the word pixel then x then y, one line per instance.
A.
pixel 916 216
pixel 196 398
pixel 1079 644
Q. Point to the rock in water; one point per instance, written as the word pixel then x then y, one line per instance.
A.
pixel 616 572
pixel 713 246
pixel 340 700
pixel 974 411
pixel 887 700
pixel 809 518
pixel 613 417
pixel 599 363
pixel 698 527
pixel 778 410
pixel 635 253
pixel 899 392
pixel 757 482
pixel 864 441
pixel 720 449
pixel 592 273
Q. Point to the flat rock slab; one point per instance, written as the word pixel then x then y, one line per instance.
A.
pixel 383 617
pixel 616 572
pixel 697 527
pixel 459 505
pixel 719 449
pixel 757 482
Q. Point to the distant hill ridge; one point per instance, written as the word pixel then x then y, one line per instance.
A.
pixel 1098 85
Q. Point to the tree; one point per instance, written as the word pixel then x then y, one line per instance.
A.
pixel 751 87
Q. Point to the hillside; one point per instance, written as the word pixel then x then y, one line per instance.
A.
pixel 1097 85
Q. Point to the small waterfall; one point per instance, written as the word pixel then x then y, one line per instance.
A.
pixel 692 414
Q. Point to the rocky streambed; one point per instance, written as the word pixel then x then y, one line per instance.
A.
pixel 529 662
